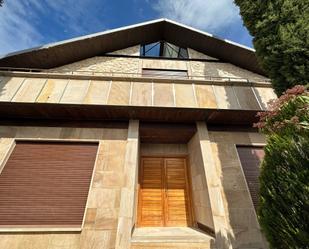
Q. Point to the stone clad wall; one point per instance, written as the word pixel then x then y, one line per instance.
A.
pixel 165 64
pixel 102 209
pixel 113 66
pixel 135 50
pixel 221 202
pixel 203 70
pixel 229 205
pixel 200 69
pixel 163 149
pixel 200 194
pixel 196 69
pixel 193 54
pixel 244 230
pixel 134 93
pixel 108 65
pixel 220 196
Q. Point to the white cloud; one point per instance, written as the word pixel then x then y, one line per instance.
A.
pixel 28 23
pixel 16 31
pixel 209 15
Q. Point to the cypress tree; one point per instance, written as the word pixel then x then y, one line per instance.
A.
pixel 280 30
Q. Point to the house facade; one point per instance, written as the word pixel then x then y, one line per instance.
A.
pixel 139 137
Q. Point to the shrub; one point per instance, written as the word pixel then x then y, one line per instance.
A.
pixel 284 180
pixel 284 204
pixel 287 115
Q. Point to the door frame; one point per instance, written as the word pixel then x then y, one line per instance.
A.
pixel 192 222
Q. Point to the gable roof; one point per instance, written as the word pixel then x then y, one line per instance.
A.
pixel 72 50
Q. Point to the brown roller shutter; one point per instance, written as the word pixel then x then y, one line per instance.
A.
pixel 46 184
pixel 164 73
pixel 251 158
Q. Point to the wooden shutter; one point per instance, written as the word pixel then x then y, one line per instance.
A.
pixel 164 73
pixel 177 201
pixel 151 197
pixel 251 158
pixel 46 184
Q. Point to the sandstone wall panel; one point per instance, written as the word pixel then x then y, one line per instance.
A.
pixel 102 210
pixel 9 87
pixel 97 92
pixel 205 96
pixel 142 94
pixel 52 91
pixel 29 90
pixel 75 92
pixel 119 93
pixel 164 95
pixel 185 96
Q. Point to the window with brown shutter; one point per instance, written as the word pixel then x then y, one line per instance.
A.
pixel 46 184
pixel 251 158
pixel 164 73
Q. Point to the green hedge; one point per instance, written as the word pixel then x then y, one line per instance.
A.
pixel 284 192
pixel 284 180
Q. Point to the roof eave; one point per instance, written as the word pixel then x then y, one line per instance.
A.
pixel 68 51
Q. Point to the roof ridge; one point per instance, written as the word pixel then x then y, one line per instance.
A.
pixel 82 47
pixel 89 36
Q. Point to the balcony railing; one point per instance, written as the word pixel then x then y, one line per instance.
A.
pixel 54 72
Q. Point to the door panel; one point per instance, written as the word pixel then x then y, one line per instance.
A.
pixel 151 196
pixel 177 202
pixel 163 195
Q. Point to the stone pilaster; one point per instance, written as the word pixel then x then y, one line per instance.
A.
pixel 214 188
pixel 127 211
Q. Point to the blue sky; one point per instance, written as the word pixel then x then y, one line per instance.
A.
pixel 29 23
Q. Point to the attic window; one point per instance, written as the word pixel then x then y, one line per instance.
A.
pixel 163 49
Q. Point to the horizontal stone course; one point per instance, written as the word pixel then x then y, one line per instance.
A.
pixel 140 92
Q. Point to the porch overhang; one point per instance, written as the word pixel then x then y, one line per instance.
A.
pixel 82 112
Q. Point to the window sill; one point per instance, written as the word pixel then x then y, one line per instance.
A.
pixel 38 228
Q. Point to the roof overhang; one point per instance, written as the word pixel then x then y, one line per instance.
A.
pixel 69 51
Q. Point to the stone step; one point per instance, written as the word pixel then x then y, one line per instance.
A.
pixel 152 245
pixel 170 237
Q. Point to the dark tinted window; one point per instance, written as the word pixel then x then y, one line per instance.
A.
pixel 163 49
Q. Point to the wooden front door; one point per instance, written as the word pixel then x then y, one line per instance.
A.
pixel 164 194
